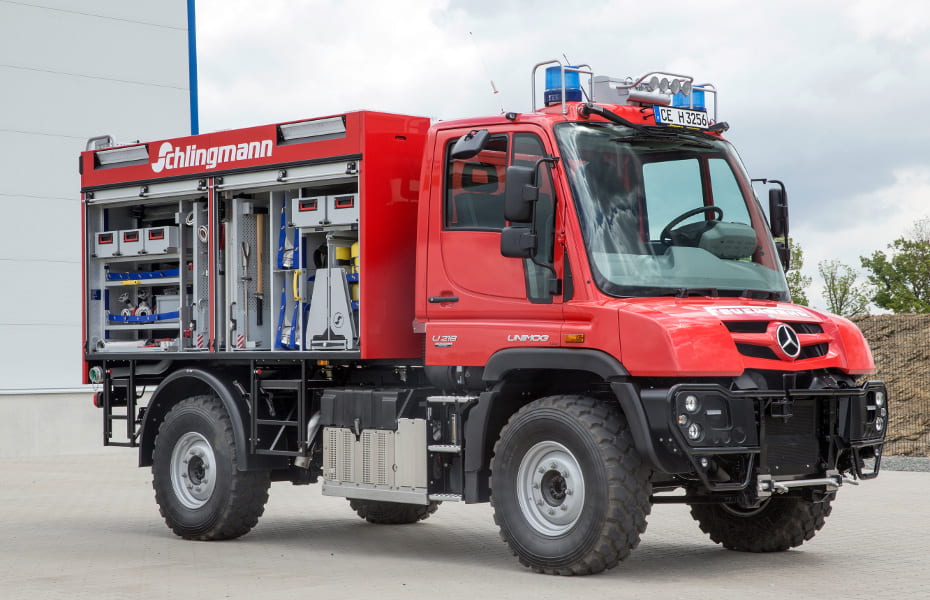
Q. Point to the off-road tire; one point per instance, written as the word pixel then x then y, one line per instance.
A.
pixel 780 524
pixel 392 513
pixel 589 440
pixel 231 507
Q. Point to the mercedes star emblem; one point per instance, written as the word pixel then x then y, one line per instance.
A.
pixel 788 341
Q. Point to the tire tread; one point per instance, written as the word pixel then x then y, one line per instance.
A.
pixel 785 523
pixel 248 491
pixel 628 484
pixel 392 513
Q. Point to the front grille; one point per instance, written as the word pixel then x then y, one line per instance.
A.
pixel 746 326
pixel 815 351
pixel 756 351
pixel 762 326
pixel 754 342
pixel 803 420
pixel 792 444
pixel 807 327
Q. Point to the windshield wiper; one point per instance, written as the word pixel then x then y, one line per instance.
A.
pixel 760 294
pixel 687 292
pixel 663 138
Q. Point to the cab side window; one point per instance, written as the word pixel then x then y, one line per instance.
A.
pixel 475 187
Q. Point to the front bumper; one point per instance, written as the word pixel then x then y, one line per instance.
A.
pixel 774 435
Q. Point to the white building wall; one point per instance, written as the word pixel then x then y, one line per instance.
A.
pixel 70 71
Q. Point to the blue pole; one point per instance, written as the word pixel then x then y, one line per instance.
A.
pixel 192 69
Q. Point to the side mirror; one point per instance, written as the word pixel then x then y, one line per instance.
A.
pixel 778 212
pixel 518 242
pixel 520 193
pixel 470 144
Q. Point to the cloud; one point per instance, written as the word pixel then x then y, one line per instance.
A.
pixel 829 96
pixel 884 216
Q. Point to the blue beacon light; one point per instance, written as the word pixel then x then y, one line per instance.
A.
pixel 694 101
pixel 553 93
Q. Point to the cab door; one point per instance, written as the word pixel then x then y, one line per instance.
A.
pixel 478 300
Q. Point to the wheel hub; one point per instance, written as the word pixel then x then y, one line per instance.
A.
pixel 550 488
pixel 553 488
pixel 193 470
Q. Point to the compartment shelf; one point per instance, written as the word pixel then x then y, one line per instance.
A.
pixel 142 326
pixel 139 258
pixel 163 281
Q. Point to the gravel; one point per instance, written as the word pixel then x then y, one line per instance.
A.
pixel 905 463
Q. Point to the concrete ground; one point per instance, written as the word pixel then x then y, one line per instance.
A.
pixel 76 527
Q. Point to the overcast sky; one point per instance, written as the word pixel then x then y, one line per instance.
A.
pixel 832 97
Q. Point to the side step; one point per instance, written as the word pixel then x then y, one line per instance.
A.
pixel 445 497
pixel 452 399
pixel 278 415
pixel 445 448
pixel 128 384
pixel 446 451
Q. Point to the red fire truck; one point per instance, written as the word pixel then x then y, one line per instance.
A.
pixel 574 313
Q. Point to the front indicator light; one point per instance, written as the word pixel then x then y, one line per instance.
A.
pixel 694 431
pixel 682 420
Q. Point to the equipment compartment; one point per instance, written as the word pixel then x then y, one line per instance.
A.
pixel 134 295
pixel 263 257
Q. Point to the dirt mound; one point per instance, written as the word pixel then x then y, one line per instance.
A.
pixel 901 348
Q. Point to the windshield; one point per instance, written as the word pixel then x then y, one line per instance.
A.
pixel 668 214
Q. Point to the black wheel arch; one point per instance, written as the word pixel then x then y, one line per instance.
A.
pixel 596 362
pixel 517 376
pixel 188 382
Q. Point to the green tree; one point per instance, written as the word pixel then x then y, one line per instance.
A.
pixel 901 278
pixel 797 281
pixel 844 297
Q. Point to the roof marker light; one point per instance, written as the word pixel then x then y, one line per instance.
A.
pixel 119 156
pixel 313 130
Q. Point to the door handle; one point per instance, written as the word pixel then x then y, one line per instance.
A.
pixel 439 299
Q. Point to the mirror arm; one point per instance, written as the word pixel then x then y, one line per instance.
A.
pixel 553 161
pixel 555 284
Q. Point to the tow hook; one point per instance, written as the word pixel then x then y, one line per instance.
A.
pixel 768 486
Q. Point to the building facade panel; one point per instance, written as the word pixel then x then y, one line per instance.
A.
pixel 70 71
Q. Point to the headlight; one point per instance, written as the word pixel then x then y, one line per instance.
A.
pixel 694 431
pixel 691 403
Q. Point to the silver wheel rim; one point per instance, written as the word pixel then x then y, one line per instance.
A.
pixel 550 488
pixel 193 470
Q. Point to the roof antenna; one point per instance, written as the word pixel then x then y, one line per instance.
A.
pixel 568 63
pixel 484 68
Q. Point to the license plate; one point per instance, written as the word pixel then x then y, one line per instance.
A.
pixel 681 117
